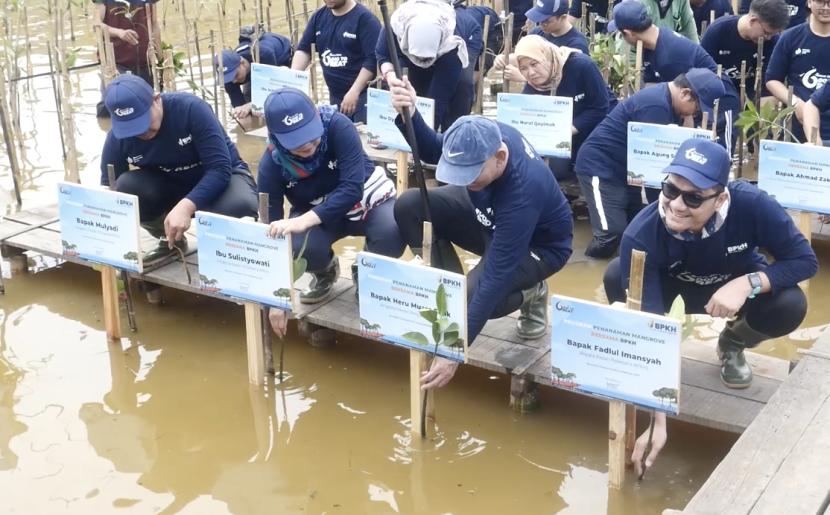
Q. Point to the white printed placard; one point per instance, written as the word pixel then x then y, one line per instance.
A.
pixel 380 119
pixel 651 148
pixel 99 225
pixel 413 306
pixel 797 175
pixel 614 352
pixel 238 259
pixel 266 79
pixel 543 120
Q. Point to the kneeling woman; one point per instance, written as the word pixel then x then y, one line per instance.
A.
pixel 315 159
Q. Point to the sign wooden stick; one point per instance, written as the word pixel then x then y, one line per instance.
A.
pixel 638 67
pixel 481 60
pixel 508 47
pixel 312 76
pixel 268 345
pixel 402 179
pixel 742 103
pixel 788 123
pixel 421 404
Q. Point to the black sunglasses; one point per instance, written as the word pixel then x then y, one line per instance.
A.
pixel 691 199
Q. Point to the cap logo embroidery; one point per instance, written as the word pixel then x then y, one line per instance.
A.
pixel 454 154
pixel 124 111
pixel 294 118
pixel 697 157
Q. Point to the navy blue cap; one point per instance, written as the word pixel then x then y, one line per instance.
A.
pixel 707 86
pixel 292 118
pixel 629 15
pixel 468 143
pixel 230 63
pixel 544 9
pixel 702 162
pixel 128 99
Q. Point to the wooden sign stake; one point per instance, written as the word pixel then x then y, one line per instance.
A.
pixel 402 178
pixel 638 67
pixel 312 76
pixel 266 337
pixel 419 363
pixel 480 82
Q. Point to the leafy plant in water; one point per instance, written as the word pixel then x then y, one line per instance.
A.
pixel 444 332
pixel 768 120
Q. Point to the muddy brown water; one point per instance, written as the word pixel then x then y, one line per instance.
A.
pixel 165 422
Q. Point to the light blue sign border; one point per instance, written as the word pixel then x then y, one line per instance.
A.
pixel 545 121
pixel 797 175
pixel 237 259
pixel 100 226
pixel 651 148
pixel 615 353
pixel 395 297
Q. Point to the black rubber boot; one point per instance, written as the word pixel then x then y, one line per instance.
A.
pixel 735 372
pixel 354 280
pixel 533 317
pixel 322 283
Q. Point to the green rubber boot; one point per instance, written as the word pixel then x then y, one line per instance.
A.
pixel 322 283
pixel 735 372
pixel 533 319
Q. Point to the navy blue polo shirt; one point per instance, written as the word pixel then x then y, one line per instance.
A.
pixel 191 147
pixel 604 152
pixel 468 27
pixel 728 49
pixel 332 190
pixel 273 49
pixel 821 98
pixel 704 12
pixel 803 59
pixel 524 210
pixel 593 99
pixel 798 10
pixel 754 220
pixel 345 44
pixel 572 39
pixel 674 54
pixel 519 8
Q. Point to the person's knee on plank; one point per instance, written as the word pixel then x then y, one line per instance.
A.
pixel 505 184
pixel 702 239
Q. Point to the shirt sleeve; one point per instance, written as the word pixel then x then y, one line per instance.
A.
pixel 429 142
pixel 795 260
pixel 235 94
pixel 112 154
pixel 351 166
pixel 515 223
pixel 269 180
pixel 381 51
pixel 212 148
pixel 778 64
pixel 595 102
pixel 369 38
pixel 309 34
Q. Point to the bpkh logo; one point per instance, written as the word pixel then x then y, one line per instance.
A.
pixel 697 157
pixel 292 119
pixel 662 327
pixel 125 202
pixel 734 249
pixel 332 60
pixel 124 111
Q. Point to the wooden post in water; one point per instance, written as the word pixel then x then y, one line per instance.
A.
pixel 11 151
pixel 268 349
pixel 109 287
pixel 254 342
pixel 479 107
pixel 618 412
pixel 71 161
pixel 419 363
pixel 125 279
pixel 169 71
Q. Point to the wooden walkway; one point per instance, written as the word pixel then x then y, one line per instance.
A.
pixel 781 463
pixel 703 399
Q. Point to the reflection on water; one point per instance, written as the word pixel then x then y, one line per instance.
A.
pixel 167 423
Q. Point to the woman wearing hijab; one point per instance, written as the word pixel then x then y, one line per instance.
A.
pixel 563 72
pixel 315 160
pixel 430 45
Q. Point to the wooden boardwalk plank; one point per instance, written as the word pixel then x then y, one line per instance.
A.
pixel 780 463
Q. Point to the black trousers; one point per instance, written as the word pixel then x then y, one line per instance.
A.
pixel 774 314
pixel 454 219
pixel 158 192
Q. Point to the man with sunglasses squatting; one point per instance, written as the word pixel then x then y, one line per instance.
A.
pixel 702 239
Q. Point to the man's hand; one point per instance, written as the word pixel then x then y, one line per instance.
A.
pixel 403 94
pixel 128 35
pixel 729 298
pixel 513 74
pixel 178 221
pixel 242 111
pixel 349 103
pixel 439 374
pixel 294 225
pixel 279 321
pixel 658 441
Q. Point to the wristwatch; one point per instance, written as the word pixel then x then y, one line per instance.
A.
pixel 754 281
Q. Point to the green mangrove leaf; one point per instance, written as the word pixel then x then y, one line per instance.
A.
pixel 436 331
pixel 430 315
pixel 299 266
pixel 441 300
pixel 416 337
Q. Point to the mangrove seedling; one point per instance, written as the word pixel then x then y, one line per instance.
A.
pixel 444 332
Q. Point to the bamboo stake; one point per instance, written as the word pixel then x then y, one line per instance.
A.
pixel 169 71
pixel 152 55
pixel 289 16
pixel 187 42
pixel 508 48
pixel 56 94
pixel 312 75
pixel 421 404
pixel 223 102
pixel 199 57
pixel 216 70
pixel 788 122
pixel 715 107
pixel 305 11
pixel 742 103
pixel 479 107
pixel 11 152
pixel 71 160
pixel 71 21
pixel 638 67
pixel 268 346
pixel 28 40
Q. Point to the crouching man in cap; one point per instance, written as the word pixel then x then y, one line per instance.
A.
pixel 171 151
pixel 701 239
pixel 500 202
